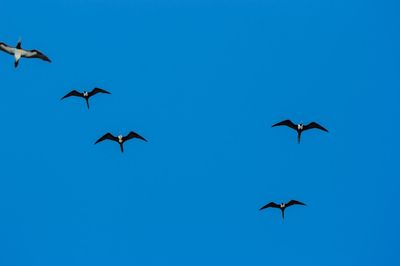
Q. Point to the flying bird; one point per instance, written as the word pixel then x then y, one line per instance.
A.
pixel 282 206
pixel 300 127
pixel 120 139
pixel 86 95
pixel 18 52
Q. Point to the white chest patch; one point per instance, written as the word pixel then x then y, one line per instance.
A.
pixel 17 54
pixel 300 127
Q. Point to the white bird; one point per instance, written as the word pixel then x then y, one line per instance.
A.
pixel 18 52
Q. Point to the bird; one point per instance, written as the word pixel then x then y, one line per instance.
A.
pixel 86 95
pixel 19 52
pixel 120 139
pixel 300 127
pixel 282 206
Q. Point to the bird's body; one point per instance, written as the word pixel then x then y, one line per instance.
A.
pixel 300 127
pixel 282 206
pixel 19 53
pixel 86 95
pixel 120 139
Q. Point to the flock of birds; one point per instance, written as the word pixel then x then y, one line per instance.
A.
pixel 18 52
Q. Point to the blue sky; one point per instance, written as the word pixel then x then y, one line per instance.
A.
pixel 203 81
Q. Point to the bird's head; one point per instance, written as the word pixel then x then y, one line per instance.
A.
pixel 19 43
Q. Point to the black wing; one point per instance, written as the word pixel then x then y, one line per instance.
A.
pixel 132 135
pixel 270 205
pixel 287 123
pixel 314 125
pixel 107 136
pixel 6 48
pixel 73 93
pixel 36 54
pixel 294 202
pixel 98 90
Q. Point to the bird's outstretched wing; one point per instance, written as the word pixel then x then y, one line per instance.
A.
pixel 107 136
pixel 314 125
pixel 287 123
pixel 73 93
pixel 132 135
pixel 6 48
pixel 270 205
pixel 98 90
pixel 35 54
pixel 294 202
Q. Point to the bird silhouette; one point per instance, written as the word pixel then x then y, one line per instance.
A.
pixel 282 206
pixel 300 127
pixel 120 139
pixel 18 52
pixel 86 95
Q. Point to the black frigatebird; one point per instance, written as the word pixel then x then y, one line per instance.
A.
pixel 120 139
pixel 282 206
pixel 86 95
pixel 300 127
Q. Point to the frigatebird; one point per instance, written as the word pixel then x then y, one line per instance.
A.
pixel 300 127
pixel 19 52
pixel 86 95
pixel 120 139
pixel 282 206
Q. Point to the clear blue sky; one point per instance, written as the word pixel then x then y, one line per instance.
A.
pixel 203 81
